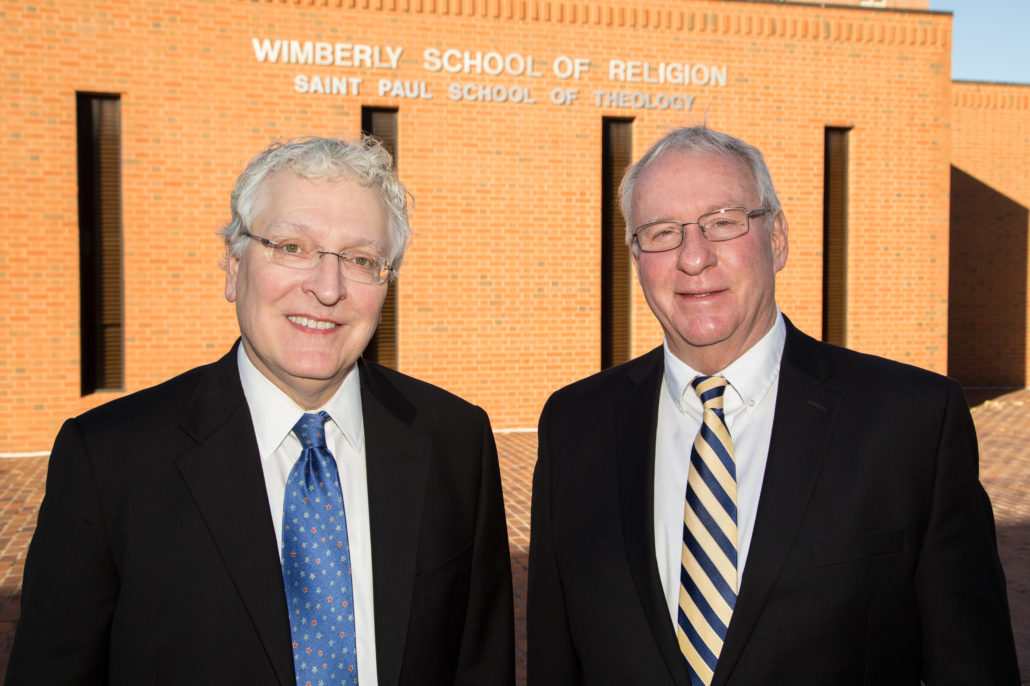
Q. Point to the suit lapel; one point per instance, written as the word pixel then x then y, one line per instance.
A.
pixel 223 474
pixel 637 413
pixel 397 460
pixel 805 416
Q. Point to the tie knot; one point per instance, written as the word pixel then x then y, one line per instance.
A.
pixel 310 429
pixel 710 389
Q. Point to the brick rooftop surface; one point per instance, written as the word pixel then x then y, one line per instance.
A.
pixel 1003 427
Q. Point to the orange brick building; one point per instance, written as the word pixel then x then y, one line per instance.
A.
pixel 510 120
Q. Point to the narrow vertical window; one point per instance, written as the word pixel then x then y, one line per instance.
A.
pixel 102 342
pixel 382 123
pixel 835 236
pixel 616 153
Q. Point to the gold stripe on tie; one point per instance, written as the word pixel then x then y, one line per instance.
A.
pixel 708 572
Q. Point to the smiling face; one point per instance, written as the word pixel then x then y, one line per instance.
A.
pixel 713 300
pixel 304 329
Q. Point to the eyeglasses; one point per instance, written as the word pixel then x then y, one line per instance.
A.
pixel 298 253
pixel 720 225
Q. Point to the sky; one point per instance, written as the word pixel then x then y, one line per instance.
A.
pixel 990 39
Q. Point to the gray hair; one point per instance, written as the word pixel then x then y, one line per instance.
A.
pixel 365 161
pixel 700 140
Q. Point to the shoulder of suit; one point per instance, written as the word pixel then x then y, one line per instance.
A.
pixel 419 393
pixel 614 380
pixel 164 400
pixel 850 368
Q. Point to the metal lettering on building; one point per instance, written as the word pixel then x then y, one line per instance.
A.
pixel 520 71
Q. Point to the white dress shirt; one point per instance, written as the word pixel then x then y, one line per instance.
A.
pixel 749 404
pixel 274 415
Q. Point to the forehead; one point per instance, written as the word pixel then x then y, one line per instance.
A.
pixel 323 206
pixel 701 181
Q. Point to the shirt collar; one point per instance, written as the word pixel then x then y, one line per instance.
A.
pixel 750 376
pixel 274 413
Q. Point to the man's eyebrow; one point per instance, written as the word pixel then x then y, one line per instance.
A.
pixel 710 208
pixel 284 224
pixel 723 206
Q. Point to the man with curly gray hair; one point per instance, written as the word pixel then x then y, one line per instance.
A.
pixel 291 513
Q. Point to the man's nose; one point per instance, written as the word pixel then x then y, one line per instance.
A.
pixel 696 253
pixel 326 280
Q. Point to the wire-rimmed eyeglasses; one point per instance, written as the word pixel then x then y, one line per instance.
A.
pixel 300 253
pixel 718 225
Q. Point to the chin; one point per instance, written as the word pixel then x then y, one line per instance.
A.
pixel 705 334
pixel 318 372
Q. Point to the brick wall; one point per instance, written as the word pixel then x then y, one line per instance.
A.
pixel 499 295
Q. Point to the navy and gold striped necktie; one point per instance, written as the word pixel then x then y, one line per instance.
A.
pixel 708 572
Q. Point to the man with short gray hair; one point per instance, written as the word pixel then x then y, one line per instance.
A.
pixel 746 505
pixel 290 513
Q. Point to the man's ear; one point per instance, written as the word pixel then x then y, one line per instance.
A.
pixel 232 269
pixel 779 241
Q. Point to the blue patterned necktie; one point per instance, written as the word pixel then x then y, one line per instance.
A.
pixel 708 576
pixel 316 564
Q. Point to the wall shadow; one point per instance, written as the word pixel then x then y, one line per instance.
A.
pixel 980 395
pixel 986 286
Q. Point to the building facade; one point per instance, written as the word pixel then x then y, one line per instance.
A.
pixel 126 124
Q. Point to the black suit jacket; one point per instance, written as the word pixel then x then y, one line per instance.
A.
pixel 873 558
pixel 154 559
